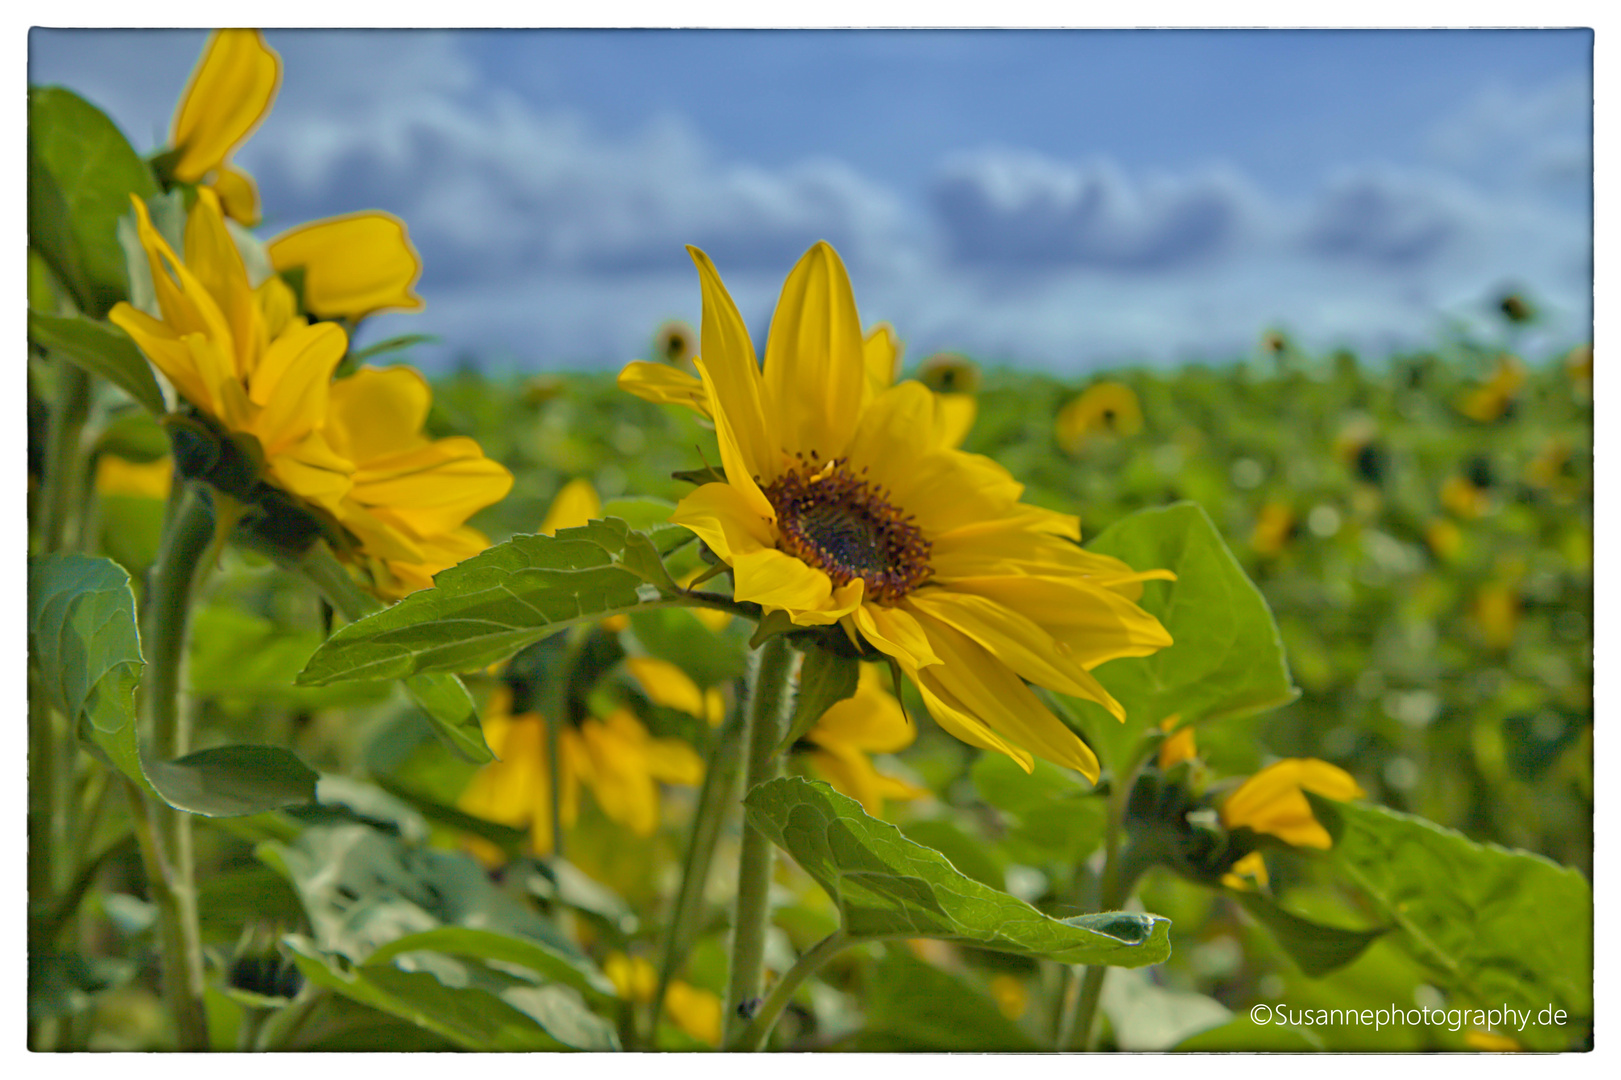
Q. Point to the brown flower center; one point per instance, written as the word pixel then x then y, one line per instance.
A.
pixel 834 520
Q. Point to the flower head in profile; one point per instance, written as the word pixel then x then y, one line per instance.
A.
pixel 1105 410
pixel 228 96
pixel 1273 801
pixel 614 756
pixel 870 721
pixel 846 504
pixel 240 355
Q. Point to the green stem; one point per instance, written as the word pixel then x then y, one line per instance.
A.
pixel 768 697
pixel 753 1037
pixel 175 575
pixel 63 457
pixel 190 1020
pixel 1112 894
pixel 714 800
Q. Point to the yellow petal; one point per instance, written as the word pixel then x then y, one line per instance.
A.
pixel 960 722
pixel 293 381
pixel 1247 873
pixel 376 413
pixel 728 357
pixel 815 365
pixel 183 300
pixel 353 265
pixel 311 471
pixel 870 719
pixel 433 489
pixel 725 519
pixel 238 195
pixel 674 762
pixel 896 633
pixel 667 685
pixel 1095 624
pixel 229 94
pixel 1271 801
pixel 849 771
pixel 695 1011
pixel 1181 745
pixel 734 461
pixel 573 506
pixel 167 352
pixel 881 353
pixel 664 385
pixel 212 256
pixel 954 418
pixel 146 479
pixel 772 579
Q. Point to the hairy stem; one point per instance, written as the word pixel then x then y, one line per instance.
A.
pixel 753 1036
pixel 167 847
pixel 768 698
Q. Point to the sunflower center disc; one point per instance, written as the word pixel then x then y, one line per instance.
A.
pixel 833 520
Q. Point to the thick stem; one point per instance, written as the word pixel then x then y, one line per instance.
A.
pixel 175 575
pixel 714 803
pixel 753 1036
pixel 64 460
pixel 768 697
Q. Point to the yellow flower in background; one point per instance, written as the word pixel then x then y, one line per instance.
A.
pixel 1180 743
pixel 614 756
pixel 410 497
pixel 352 265
pixel 695 1011
pixel 1491 1042
pixel 1491 400
pixel 1579 369
pixel 1496 612
pixel 1105 410
pixel 1248 874
pixel 1444 538
pixel 1274 528
pixel 870 721
pixel 1551 470
pixel 575 504
pixel 1012 999
pixel 633 977
pixel 229 94
pixel 667 685
pixel 676 345
pixel 1464 498
pixel 949 373
pixel 954 380
pixel 241 354
pixel 849 506
pixel 1273 800
pixel 144 479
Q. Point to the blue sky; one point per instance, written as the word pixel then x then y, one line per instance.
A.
pixel 1057 199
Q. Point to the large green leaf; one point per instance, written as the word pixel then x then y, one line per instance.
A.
pixel 1318 948
pixel 81 173
pixel 83 636
pixel 489 945
pixel 233 781
pixel 497 602
pixel 1498 927
pixel 1227 658
pixel 886 885
pixel 101 349
pixel 517 1018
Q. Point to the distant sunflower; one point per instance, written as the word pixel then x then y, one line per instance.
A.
pixel 1106 409
pixel 676 344
pixel 846 503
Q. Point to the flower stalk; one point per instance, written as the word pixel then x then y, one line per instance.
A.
pixel 753 1036
pixel 768 698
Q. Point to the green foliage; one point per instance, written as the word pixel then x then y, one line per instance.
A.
pixel 1054 817
pixel 233 781
pixel 825 678
pixel 1316 947
pixel 497 602
pixel 886 885
pixel 83 638
pixel 1499 927
pixel 1226 659
pixel 81 174
pixel 101 349
pixel 911 1006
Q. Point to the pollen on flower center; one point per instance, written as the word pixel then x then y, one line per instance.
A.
pixel 834 520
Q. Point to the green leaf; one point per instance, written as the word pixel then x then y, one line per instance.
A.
pixel 1055 816
pixel 651 516
pixel 472 1017
pixel 1242 1033
pixel 489 945
pixel 1317 948
pixel 388 345
pixel 1227 658
pixel 233 781
pixel 497 602
pixel 450 711
pixel 825 678
pixel 1498 926
pixel 83 637
pixel 886 885
pixel 81 173
pixel 676 634
pixel 913 1006
pixel 101 349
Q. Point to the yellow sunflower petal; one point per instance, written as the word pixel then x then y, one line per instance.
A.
pixel 735 462
pixel 849 771
pixel 728 356
pixel 881 353
pixel 726 520
pixel 293 382
pixel 954 418
pixel 664 385
pixel 815 367
pixel 773 579
pixel 353 265
pixel 575 505
pixel 896 633
pixel 870 719
pixel 379 412
pixel 695 1011
pixel 1096 624
pixel 1271 801
pixel 229 94
pixel 961 723
pixel 434 489
pixel 238 195
pixel 674 762
pixel 212 257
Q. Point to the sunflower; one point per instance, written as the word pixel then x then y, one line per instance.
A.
pixel 845 503
pixel 241 355
pixel 614 756
pixel 1272 802
pixel 1105 410
pixel 1492 400
pixel 870 721
pixel 675 344
pixel 228 96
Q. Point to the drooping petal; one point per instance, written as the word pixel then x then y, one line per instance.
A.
pixel 292 383
pixel 167 352
pixel 870 719
pixel 881 353
pixel 728 356
pixel 895 632
pixel 238 195
pixel 433 489
pixel 664 385
pixel 229 94
pixel 353 265
pixel 726 520
pixel 815 364
pixel 772 579
pixel 1096 624
pixel 576 504
pixel 377 413
pixel 667 685
pixel 1271 801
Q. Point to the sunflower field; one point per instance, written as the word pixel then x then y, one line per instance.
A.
pixel 825 699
